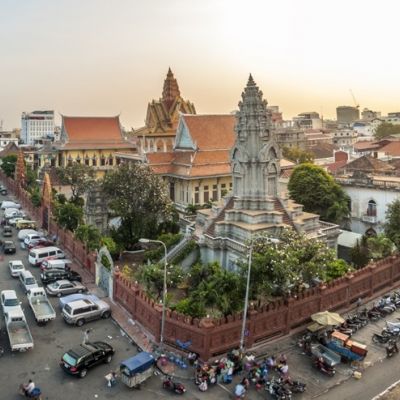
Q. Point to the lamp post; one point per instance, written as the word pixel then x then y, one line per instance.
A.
pixel 246 299
pixel 143 240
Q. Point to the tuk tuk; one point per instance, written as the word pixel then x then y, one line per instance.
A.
pixel 25 224
pixel 137 369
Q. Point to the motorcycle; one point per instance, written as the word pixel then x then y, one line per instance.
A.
pixel 391 348
pixel 324 368
pixel 384 338
pixel 36 393
pixel 278 390
pixel 175 387
pixel 296 386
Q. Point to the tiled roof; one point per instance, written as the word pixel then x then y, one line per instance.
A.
pixel 10 148
pixel 323 150
pixel 92 129
pixel 211 132
pixel 392 149
pixel 368 164
pixel 333 167
pixel 365 145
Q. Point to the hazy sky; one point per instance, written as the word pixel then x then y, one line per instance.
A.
pixel 104 57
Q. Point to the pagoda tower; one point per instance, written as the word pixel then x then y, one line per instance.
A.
pixel 170 91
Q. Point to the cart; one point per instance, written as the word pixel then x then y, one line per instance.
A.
pixel 137 369
pixel 330 357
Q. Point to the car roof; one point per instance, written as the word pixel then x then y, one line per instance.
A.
pixel 83 349
pixel 63 281
pixel 80 303
pixel 16 262
pixel 8 242
pixel 10 294
pixel 58 261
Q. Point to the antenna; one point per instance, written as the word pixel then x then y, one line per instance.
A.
pixel 354 99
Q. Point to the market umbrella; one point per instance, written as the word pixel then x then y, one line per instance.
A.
pixel 327 318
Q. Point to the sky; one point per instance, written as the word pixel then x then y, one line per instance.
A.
pixel 104 57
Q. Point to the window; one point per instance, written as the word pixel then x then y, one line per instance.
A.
pixel 110 160
pixel 196 195
pixel 371 210
pixel 206 194
pixel 102 161
pixel 215 193
pixel 94 161
pixel 87 160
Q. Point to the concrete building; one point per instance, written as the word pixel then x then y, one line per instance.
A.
pixel 345 138
pixel 346 115
pixel 369 115
pixel 308 120
pixel 37 125
pixel 7 137
pixel 255 206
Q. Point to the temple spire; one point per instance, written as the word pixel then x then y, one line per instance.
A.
pixel 170 90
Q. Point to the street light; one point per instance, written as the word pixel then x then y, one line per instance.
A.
pixel 246 299
pixel 143 240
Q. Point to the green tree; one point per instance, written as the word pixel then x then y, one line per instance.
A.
pixel 392 225
pixel 297 155
pixel 8 164
pixel 36 197
pixel 360 253
pixel 379 246
pixel 89 235
pixel 79 177
pixel 386 129
pixel 113 247
pixel 68 215
pixel 311 186
pixel 140 199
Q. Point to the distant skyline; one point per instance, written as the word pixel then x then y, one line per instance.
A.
pixel 102 58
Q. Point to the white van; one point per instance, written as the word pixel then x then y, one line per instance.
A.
pixel 36 256
pixel 9 204
pixel 27 281
pixel 31 237
pixel 23 233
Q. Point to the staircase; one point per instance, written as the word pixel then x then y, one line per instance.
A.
pixel 285 216
pixel 220 217
pixel 176 249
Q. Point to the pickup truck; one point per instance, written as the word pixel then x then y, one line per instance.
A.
pixel 18 331
pixel 41 306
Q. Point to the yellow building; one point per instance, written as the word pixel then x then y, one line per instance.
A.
pixel 158 134
pixel 92 141
pixel 197 170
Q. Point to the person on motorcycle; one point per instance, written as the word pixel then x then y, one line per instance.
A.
pixel 28 388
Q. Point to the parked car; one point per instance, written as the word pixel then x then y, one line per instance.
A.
pixel 9 301
pixel 78 312
pixel 53 275
pixel 51 263
pixel 77 296
pixel 16 267
pixel 77 361
pixel 9 204
pixel 9 247
pixel 12 212
pixel 36 256
pixel 23 233
pixel 7 231
pixel 26 224
pixel 13 221
pixel 60 288
pixel 41 242
pixel 27 281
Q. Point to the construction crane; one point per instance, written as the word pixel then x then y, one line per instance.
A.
pixel 354 99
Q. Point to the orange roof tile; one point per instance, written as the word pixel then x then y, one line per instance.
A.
pixel 392 149
pixel 92 129
pixel 365 145
pixel 211 132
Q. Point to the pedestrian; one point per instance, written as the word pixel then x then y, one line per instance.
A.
pixel 86 336
pixel 359 303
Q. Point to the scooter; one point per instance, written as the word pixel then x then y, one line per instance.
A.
pixel 377 338
pixel 324 368
pixel 391 348
pixel 278 390
pixel 175 387
pixel 296 386
pixel 36 393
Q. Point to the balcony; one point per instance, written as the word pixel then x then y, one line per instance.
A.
pixel 369 219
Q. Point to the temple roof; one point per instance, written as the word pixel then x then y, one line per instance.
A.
pixel 163 115
pixel 92 133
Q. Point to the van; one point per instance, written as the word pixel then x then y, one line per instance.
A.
pixel 9 204
pixel 23 233
pixel 25 224
pixel 50 264
pixel 36 256
pixel 27 281
pixel 11 213
pixel 32 237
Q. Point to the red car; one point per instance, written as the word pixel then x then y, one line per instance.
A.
pixel 42 242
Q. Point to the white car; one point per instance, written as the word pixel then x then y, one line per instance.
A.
pixel 9 204
pixel 23 233
pixel 16 267
pixel 12 213
pixel 9 301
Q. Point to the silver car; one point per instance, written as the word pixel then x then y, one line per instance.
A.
pixel 78 312
pixel 63 287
